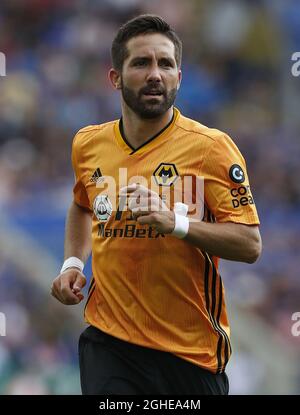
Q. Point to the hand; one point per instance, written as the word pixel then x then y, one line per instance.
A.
pixel 67 286
pixel 148 208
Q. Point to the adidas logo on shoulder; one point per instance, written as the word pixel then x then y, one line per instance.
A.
pixel 96 175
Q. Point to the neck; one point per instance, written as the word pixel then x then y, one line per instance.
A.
pixel 137 130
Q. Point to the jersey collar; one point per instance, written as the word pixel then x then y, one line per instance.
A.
pixel 123 143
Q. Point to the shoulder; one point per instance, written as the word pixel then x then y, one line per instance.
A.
pixel 202 133
pixel 87 134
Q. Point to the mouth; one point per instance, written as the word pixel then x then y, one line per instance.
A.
pixel 153 93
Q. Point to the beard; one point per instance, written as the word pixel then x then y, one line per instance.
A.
pixel 149 108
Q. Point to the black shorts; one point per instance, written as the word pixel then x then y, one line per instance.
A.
pixel 110 366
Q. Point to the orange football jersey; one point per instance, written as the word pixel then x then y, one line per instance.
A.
pixel 151 289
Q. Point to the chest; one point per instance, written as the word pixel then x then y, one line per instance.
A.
pixel 170 171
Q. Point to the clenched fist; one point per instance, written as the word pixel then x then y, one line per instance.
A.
pixel 67 286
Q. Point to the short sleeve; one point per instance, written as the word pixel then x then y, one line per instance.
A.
pixel 227 191
pixel 79 189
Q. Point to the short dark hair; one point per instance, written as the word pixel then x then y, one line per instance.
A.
pixel 141 25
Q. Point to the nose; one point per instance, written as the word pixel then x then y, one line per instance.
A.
pixel 154 74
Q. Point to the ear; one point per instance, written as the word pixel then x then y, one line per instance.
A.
pixel 114 78
pixel 179 79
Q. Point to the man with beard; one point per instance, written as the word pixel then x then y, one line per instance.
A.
pixel 155 307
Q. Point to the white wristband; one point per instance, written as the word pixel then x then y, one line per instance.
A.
pixel 72 262
pixel 181 221
pixel 181 208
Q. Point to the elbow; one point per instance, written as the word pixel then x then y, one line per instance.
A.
pixel 254 251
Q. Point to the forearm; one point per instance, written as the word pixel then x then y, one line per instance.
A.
pixel 78 234
pixel 231 241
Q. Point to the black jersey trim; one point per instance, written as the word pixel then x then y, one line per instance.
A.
pixel 134 150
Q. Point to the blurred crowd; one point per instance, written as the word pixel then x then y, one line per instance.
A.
pixel 236 77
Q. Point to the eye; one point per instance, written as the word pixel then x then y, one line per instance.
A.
pixel 166 63
pixel 140 62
